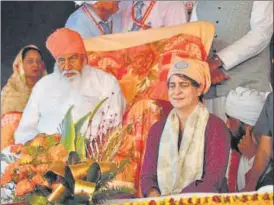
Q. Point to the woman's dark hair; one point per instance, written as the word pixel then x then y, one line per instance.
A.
pixel 193 83
pixel 27 49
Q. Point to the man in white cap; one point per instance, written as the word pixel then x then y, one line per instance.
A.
pixel 95 18
pixel 243 107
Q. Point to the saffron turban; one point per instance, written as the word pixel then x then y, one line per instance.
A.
pixel 65 41
pixel 245 104
pixel 195 69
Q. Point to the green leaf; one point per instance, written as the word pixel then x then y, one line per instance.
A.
pixel 68 135
pixel 80 147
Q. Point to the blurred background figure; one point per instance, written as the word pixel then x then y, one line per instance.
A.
pixel 28 69
pixel 142 15
pixel 189 7
pixel 243 107
pixel 263 130
pixel 94 18
pixel 240 51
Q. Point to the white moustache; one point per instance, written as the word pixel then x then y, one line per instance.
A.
pixel 70 72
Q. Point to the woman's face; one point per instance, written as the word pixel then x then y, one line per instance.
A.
pixel 33 64
pixel 182 94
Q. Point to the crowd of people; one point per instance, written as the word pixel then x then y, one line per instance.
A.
pixel 221 109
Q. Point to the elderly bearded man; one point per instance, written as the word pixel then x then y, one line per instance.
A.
pixel 73 82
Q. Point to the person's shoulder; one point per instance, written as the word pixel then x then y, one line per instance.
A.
pixel 45 81
pixel 77 15
pixel 214 122
pixel 269 98
pixel 158 125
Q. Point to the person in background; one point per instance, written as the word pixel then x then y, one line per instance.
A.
pixel 188 150
pixel 95 18
pixel 240 51
pixel 142 15
pixel 243 107
pixel 28 69
pixel 263 131
pixel 189 7
pixel 73 83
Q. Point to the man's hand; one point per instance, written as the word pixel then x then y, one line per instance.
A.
pixel 153 193
pixel 217 76
pixel 248 145
pixel 214 63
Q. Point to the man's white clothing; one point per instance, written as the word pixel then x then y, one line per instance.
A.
pixel 50 100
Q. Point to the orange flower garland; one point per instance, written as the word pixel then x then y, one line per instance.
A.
pixel 252 199
pixel 34 161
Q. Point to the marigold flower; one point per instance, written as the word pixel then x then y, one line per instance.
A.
pixel 25 159
pixel 17 148
pixel 41 168
pixel 57 137
pixel 43 158
pixel 39 180
pixel 38 141
pixel 6 178
pixel 58 153
pixel 24 171
pixel 24 187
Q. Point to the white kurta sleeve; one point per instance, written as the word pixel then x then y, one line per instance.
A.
pixel 175 13
pixel 251 44
pixel 27 126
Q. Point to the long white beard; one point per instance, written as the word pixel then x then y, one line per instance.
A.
pixel 68 84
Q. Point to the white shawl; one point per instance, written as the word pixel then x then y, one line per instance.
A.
pixel 176 170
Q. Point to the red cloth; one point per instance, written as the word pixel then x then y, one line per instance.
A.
pixel 233 171
pixel 217 148
pixel 65 41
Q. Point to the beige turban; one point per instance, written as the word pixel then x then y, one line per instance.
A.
pixel 245 104
pixel 195 69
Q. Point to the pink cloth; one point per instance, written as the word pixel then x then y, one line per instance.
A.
pixel 164 13
pixel 216 158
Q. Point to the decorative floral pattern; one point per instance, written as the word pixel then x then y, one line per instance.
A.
pixel 251 199
pixel 141 64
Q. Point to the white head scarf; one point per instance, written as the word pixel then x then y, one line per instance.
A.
pixel 245 104
pixel 79 3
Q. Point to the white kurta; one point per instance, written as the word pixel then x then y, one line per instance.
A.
pixel 163 13
pixel 49 103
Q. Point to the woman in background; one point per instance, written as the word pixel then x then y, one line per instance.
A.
pixel 28 69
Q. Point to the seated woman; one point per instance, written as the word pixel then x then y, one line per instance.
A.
pixel 188 150
pixel 28 68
